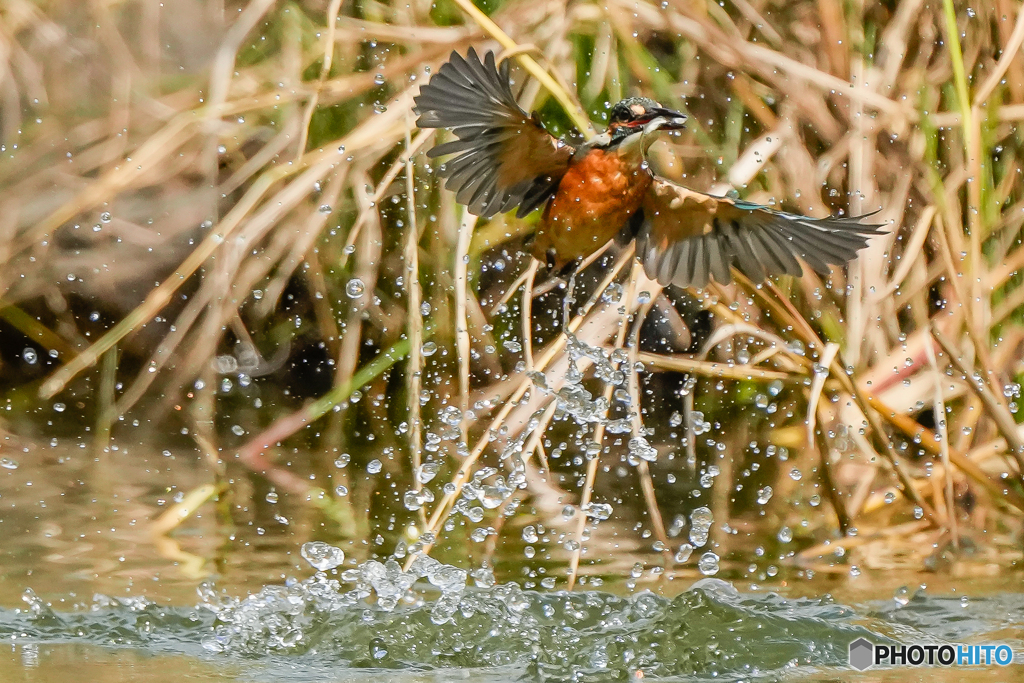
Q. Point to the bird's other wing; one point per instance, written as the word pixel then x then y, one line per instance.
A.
pixel 503 158
pixel 687 237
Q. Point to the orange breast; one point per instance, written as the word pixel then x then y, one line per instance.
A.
pixel 594 200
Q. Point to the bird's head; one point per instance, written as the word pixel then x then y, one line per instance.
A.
pixel 641 115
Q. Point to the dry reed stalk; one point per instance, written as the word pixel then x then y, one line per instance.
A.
pixel 939 410
pixel 996 409
pixel 414 318
pixel 527 314
pixel 554 349
pixel 843 513
pixel 571 107
pixel 653 290
pixel 460 273
pixel 739 371
pixel 314 165
pixel 535 445
pixel 828 355
pixel 325 69
pixel 843 119
pixel 300 244
pixel 800 325
pixel 367 260
pixel 586 495
pixel 326 318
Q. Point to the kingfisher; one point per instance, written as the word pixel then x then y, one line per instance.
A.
pixel 504 159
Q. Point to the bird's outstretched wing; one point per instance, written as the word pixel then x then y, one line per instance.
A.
pixel 686 237
pixel 503 158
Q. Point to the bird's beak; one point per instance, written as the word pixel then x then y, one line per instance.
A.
pixel 665 119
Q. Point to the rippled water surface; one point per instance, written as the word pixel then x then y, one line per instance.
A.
pixel 311 630
pixel 87 592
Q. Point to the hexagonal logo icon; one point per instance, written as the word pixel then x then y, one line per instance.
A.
pixel 861 654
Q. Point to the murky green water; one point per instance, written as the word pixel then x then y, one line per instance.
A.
pixel 312 631
pixel 75 528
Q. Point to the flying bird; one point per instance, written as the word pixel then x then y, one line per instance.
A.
pixel 504 159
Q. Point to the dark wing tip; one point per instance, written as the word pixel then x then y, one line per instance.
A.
pixel 856 224
pixel 759 242
pixel 472 96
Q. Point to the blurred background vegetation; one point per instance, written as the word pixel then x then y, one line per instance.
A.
pixel 219 235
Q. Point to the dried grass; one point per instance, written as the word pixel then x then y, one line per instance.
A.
pixel 260 155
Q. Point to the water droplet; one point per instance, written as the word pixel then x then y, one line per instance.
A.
pixel 428 349
pixel 29 355
pixel 322 556
pixel 785 534
pixel 902 596
pixel 493 496
pixel 59 407
pixel 378 649
pixel 530 534
pixel 272 497
pixel 599 511
pixel 613 294
pixel 105 217
pixel 764 495
pixel 412 500
pixel 708 564
pixel 237 430
pixel 701 520
pixel 451 416
pixel 325 208
pixel 640 448
pixel 684 552
pixel 8 464
pixel 225 364
pixel 427 472
pixel 355 288
pixel 374 466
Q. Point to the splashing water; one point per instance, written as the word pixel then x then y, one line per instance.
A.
pixel 460 624
pixel 430 616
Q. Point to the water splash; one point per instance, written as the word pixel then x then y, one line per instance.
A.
pixel 444 620
pixel 430 616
